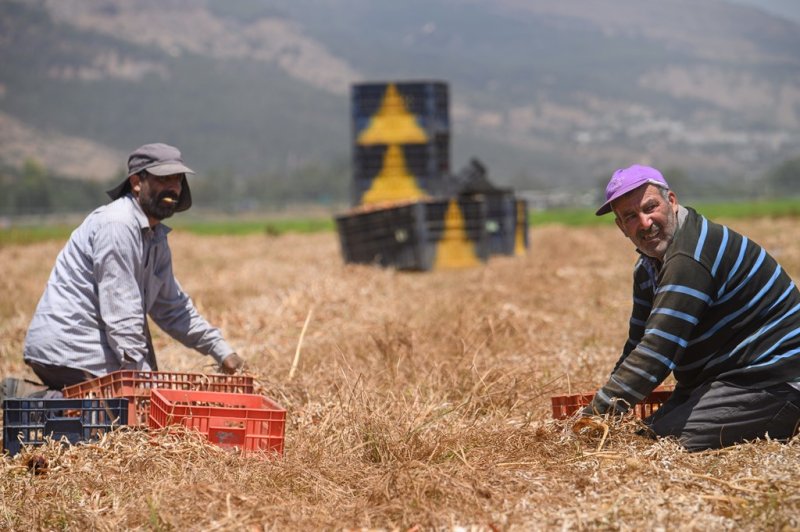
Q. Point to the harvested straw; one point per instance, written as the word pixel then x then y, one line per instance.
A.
pixel 423 402
pixel 296 360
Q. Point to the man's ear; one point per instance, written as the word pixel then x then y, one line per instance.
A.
pixel 673 201
pixel 136 184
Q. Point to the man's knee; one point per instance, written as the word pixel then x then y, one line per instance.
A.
pixel 725 415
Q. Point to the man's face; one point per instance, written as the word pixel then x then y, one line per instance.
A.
pixel 158 195
pixel 647 219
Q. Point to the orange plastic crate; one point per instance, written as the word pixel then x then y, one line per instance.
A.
pixel 240 421
pixel 137 385
pixel 566 405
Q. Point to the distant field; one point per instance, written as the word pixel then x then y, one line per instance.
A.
pixel 31 232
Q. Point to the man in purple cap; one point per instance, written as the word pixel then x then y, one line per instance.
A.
pixel 115 270
pixel 711 307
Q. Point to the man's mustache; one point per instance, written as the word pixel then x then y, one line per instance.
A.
pixel 652 230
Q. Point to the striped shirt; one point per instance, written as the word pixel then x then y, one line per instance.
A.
pixel 113 271
pixel 719 308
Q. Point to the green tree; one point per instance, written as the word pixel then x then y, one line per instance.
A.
pixel 32 193
pixel 784 179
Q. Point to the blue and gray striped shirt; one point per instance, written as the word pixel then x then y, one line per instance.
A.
pixel 719 308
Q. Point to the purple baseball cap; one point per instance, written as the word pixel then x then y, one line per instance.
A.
pixel 626 179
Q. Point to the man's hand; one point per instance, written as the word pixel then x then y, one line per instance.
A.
pixel 231 364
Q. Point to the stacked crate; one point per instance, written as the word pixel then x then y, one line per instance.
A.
pixel 223 408
pixel 416 235
pixel 401 141
pixel 137 385
pixel 408 211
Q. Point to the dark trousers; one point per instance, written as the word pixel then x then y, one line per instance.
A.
pixel 720 414
pixel 57 377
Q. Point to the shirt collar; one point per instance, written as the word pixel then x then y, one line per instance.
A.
pixel 682 213
pixel 159 231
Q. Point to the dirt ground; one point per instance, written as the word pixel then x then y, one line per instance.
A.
pixel 420 401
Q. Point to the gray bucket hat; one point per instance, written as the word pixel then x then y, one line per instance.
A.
pixel 158 159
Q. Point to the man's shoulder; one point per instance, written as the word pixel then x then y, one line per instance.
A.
pixel 115 217
pixel 700 240
pixel 118 211
pixel 700 223
pixel 694 228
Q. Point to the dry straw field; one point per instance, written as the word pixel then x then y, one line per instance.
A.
pixel 420 402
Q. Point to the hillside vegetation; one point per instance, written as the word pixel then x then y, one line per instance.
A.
pixel 546 94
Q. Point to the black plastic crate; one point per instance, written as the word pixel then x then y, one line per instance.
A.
pixel 409 236
pixel 29 421
pixel 472 212
pixel 430 158
pixel 416 189
pixel 408 131
pixel 392 236
pixel 418 97
pixel 501 223
pixel 427 164
pixel 428 101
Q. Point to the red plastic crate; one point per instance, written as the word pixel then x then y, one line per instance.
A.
pixel 566 405
pixel 137 385
pixel 240 421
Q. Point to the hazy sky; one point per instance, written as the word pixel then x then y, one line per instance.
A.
pixel 786 8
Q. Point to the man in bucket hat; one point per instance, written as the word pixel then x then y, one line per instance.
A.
pixel 115 270
pixel 711 307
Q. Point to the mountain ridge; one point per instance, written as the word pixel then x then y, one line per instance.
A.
pixel 546 94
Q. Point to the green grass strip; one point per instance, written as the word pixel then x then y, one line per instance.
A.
pixel 755 209
pixel 726 210
pixel 29 234
pixel 247 227
pixel 33 234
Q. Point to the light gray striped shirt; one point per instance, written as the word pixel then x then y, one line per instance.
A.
pixel 113 271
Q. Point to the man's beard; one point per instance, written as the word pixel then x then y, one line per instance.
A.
pixel 155 206
pixel 666 233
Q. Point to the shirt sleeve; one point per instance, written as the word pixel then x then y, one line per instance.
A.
pixel 681 299
pixel 642 305
pixel 116 250
pixel 174 312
